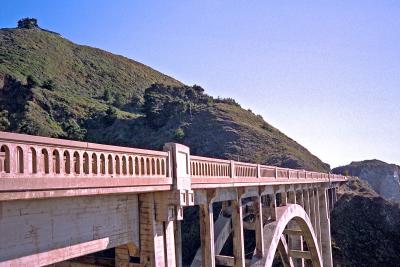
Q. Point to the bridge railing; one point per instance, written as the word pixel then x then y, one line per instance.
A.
pixel 211 170
pixel 209 167
pixel 22 155
pixel 40 163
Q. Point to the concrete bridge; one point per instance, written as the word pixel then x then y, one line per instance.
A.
pixel 63 199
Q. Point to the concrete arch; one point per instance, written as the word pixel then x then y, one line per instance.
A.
pixel 163 167
pixel 158 167
pixel 273 233
pixel 67 161
pixel 20 159
pixel 32 156
pixel 94 164
pixel 131 166
pixel 45 166
pixel 124 166
pixel 153 167
pixel 117 165
pixel 56 161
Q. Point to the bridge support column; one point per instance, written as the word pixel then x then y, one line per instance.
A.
pixel 259 227
pixel 313 216
pixel 318 218
pixel 306 202
pixel 237 227
pixel 272 206
pixel 151 233
pixel 292 197
pixel 124 253
pixel 122 256
pixel 296 243
pixel 170 252
pixel 178 243
pixel 326 245
pixel 283 198
pixel 207 235
pixel 334 195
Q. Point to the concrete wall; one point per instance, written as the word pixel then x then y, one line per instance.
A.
pixel 74 226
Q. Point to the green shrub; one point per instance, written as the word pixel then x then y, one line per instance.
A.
pixel 107 96
pixel 4 122
pixel 27 23
pixel 179 134
pixel 119 101
pixel 111 116
pixel 74 131
pixel 31 81
pixel 49 85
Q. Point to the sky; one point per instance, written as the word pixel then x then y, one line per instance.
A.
pixel 326 73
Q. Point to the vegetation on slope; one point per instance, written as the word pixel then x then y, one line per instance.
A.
pixel 50 86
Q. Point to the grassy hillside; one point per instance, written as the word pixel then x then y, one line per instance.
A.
pixel 52 87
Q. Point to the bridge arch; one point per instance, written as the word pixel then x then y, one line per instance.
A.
pixel 124 166
pixel 102 164
pixel 117 165
pixel 274 231
pixel 45 161
pixel 32 160
pixel 67 162
pixel 5 159
pixel 56 161
pixel 94 164
pixel 20 159
pixel 131 169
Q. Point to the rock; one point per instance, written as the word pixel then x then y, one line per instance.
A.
pixel 383 177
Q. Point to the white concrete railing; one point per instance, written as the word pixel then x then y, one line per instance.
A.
pixel 22 155
pixel 35 156
pixel 203 167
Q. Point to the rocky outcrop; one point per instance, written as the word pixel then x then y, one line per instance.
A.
pixel 383 177
pixel 365 228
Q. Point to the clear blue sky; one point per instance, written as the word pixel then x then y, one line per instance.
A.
pixel 326 73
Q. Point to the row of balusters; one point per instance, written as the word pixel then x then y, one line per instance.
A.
pixel 202 168
pixel 20 159
pixel 23 159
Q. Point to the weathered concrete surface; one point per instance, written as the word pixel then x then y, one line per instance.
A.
pixel 51 230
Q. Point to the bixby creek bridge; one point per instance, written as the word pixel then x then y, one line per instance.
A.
pixel 62 199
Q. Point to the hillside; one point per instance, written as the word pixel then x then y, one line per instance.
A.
pixel 50 86
pixel 383 177
pixel 365 228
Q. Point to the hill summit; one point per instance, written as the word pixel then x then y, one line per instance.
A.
pixel 50 86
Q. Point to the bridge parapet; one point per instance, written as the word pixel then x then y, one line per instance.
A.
pixel 37 163
pixel 29 163
pixel 210 171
